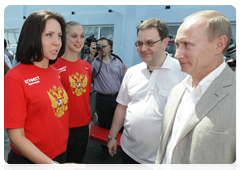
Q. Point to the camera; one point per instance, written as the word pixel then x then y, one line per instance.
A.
pixel 99 47
pixel 89 40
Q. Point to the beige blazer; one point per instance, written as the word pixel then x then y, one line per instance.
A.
pixel 209 136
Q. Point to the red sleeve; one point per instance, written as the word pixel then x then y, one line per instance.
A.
pixel 15 107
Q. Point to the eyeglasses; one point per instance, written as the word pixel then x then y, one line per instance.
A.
pixel 148 43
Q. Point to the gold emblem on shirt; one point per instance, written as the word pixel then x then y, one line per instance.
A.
pixel 78 83
pixel 59 100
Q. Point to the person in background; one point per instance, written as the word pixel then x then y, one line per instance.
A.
pixel 76 79
pixel 6 138
pixel 6 68
pixel 107 79
pixel 199 120
pixel 35 102
pixel 10 56
pixel 143 95
pixel 7 61
pixel 232 53
pixel 111 47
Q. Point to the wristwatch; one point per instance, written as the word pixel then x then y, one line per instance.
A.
pixel 53 165
pixel 111 138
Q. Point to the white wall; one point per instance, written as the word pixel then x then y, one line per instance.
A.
pixel 125 19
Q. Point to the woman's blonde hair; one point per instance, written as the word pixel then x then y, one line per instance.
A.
pixel 71 24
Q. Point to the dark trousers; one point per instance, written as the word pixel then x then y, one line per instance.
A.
pixel 77 143
pixel 105 106
pixel 129 164
pixel 14 158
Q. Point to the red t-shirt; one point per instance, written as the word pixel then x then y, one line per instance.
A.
pixel 76 79
pixel 35 99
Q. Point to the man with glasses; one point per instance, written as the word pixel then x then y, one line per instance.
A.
pixel 107 75
pixel 143 95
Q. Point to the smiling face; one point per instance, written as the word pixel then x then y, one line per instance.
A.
pixel 51 39
pixel 195 53
pixel 75 38
pixel 152 54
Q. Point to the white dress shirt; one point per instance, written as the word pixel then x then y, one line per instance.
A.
pixel 188 103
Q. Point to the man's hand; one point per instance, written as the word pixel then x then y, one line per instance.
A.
pixel 93 50
pixel 70 166
pixel 112 147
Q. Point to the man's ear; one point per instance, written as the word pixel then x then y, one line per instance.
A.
pixel 221 43
pixel 165 43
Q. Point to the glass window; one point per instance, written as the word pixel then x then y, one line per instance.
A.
pixel 106 32
pixel 173 31
pixel 90 30
pixel 11 37
pixel 171 48
pixel 99 31
pixel 234 32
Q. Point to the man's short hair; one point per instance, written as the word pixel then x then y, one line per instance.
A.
pixel 103 38
pixel 217 25
pixel 161 26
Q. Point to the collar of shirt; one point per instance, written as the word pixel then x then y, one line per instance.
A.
pixel 167 64
pixel 111 57
pixel 205 82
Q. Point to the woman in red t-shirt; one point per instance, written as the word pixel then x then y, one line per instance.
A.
pixel 35 102
pixel 76 79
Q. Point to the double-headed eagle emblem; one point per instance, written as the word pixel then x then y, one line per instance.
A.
pixel 59 100
pixel 78 83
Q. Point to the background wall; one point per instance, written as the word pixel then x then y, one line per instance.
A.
pixel 125 19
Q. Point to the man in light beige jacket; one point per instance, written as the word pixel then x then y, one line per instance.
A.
pixel 199 120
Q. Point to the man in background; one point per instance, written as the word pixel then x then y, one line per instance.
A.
pixel 107 74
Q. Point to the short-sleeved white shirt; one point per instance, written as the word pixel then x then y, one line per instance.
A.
pixel 146 96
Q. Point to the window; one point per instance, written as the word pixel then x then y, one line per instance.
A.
pixel 11 36
pixel 171 48
pixel 233 25
pixel 99 31
pixel 173 30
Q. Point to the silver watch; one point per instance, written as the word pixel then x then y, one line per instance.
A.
pixel 53 165
pixel 111 138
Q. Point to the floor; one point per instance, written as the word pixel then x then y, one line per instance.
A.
pixel 92 154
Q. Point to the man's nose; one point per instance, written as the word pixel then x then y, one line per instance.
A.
pixel 179 54
pixel 144 47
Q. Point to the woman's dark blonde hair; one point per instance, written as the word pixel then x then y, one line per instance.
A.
pixel 71 24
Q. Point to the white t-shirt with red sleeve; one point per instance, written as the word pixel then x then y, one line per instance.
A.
pixel 35 99
pixel 76 79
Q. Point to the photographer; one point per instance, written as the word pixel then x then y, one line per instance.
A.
pixel 107 73
pixel 231 51
pixel 111 46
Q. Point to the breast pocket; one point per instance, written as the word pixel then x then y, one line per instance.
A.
pixel 161 101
